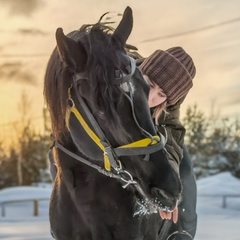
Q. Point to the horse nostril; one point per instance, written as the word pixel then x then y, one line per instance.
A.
pixel 159 193
pixel 165 198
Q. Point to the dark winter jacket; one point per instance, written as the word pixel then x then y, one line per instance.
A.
pixel 169 123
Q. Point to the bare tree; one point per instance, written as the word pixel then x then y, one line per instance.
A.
pixel 24 123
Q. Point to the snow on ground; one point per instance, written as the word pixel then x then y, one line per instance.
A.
pixel 19 193
pixel 19 222
pixel 32 229
pixel 214 221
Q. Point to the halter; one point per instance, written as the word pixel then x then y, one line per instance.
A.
pixel 112 165
pixel 145 146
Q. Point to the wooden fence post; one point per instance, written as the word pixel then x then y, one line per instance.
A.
pixel 3 213
pixel 224 203
pixel 35 207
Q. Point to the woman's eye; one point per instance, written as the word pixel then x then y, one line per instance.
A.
pixel 161 95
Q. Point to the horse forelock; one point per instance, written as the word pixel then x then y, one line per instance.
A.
pixel 104 57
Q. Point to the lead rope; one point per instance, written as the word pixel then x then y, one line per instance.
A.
pixel 166 226
pixel 130 99
pixel 183 232
pixel 144 132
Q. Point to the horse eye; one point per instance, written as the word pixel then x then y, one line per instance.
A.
pixel 101 114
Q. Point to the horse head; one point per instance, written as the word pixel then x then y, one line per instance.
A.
pixel 98 101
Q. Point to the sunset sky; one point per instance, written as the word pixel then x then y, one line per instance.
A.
pixel 209 30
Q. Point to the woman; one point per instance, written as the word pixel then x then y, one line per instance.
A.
pixel 170 74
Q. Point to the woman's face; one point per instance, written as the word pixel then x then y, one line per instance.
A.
pixel 156 94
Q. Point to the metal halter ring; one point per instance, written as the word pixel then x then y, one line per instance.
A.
pixel 128 182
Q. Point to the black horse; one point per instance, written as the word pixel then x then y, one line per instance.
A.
pixel 114 180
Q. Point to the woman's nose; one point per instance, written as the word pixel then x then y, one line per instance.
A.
pixel 150 99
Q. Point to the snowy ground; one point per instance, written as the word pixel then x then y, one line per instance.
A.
pixel 214 221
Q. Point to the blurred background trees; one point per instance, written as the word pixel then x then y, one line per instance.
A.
pixel 213 143
pixel 25 161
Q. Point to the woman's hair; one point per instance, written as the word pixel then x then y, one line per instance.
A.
pixel 159 108
pixel 158 111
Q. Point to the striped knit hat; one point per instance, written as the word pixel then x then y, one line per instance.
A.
pixel 173 70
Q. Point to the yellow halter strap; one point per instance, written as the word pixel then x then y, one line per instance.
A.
pixel 140 143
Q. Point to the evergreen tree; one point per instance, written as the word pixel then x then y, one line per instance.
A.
pixel 214 144
pixel 225 141
pixel 196 135
pixel 26 162
pixel 8 170
pixel 33 151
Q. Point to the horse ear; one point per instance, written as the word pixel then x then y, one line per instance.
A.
pixel 124 28
pixel 71 52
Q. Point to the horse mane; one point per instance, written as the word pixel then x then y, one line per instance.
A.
pixel 103 59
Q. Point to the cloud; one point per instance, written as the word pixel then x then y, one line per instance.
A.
pixel 26 31
pixel 14 71
pixel 22 7
pixel 234 99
